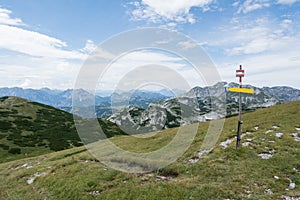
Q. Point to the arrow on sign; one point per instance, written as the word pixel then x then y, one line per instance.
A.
pixel 242 90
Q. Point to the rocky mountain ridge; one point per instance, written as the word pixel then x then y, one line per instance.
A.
pixel 109 105
pixel 198 105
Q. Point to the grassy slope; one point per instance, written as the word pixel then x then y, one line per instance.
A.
pixel 36 129
pixel 222 174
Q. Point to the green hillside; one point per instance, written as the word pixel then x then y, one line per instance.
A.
pixel 29 129
pixel 224 173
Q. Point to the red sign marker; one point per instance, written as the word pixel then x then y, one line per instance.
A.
pixel 240 73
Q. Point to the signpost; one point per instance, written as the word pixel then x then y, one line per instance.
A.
pixel 240 73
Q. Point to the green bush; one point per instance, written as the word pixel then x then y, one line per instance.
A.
pixel 4 146
pixel 5 125
pixel 15 151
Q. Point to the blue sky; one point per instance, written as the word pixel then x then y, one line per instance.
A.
pixel 44 43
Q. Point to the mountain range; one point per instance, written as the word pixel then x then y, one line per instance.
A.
pixel 142 101
pixel 198 105
pixel 63 99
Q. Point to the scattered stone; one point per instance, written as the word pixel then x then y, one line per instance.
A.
pixel 296 137
pixel 271 141
pixel 279 135
pixel 256 128
pixel 36 174
pixel 290 198
pixel 292 186
pixel 298 129
pixel 30 180
pixel 204 151
pixel 163 178
pixel 26 165
pixel 265 156
pixel 268 191
pixel 276 177
pixel 94 193
pixel 275 127
pixel 258 184
pixel 249 139
pixel 272 151
pixel 193 159
pixel 200 153
pixel 144 179
pixel 245 144
pixel 268 131
pixel 227 142
pixel 297 169
pixel 249 193
pixel 150 175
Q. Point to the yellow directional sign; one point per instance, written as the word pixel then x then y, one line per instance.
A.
pixel 242 90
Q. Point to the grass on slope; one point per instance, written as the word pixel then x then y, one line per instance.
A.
pixel 221 174
pixel 30 129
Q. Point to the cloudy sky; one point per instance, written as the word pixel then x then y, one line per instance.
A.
pixel 45 43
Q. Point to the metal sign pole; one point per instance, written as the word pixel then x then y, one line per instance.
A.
pixel 240 74
pixel 238 140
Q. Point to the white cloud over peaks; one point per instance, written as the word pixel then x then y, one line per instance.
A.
pixel 157 11
pixel 128 64
pixel 251 5
pixel 5 18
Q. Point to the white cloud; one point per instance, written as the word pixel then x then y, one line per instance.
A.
pixel 28 72
pixel 35 44
pixel 187 44
pixel 286 23
pixel 26 83
pixel 267 48
pixel 32 59
pixel 130 63
pixel 259 36
pixel 277 68
pixel 289 2
pixel 100 53
pixel 15 38
pixel 177 11
pixel 5 18
pixel 89 47
pixel 251 5
pixel 235 4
